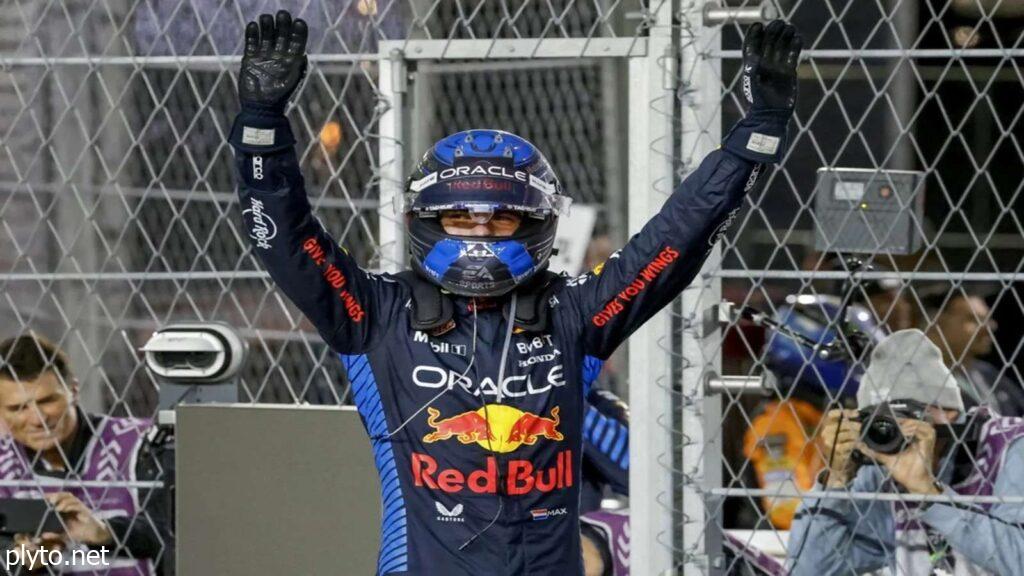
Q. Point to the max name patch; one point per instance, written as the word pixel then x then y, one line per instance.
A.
pixel 763 143
pixel 666 257
pixel 257 136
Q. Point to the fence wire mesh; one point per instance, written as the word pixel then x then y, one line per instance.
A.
pixel 117 196
pixel 119 215
pixel 885 86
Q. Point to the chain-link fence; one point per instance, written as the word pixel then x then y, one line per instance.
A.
pixel 118 206
pixel 888 87
pixel 124 107
pixel 119 214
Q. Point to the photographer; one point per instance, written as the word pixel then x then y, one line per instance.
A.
pixel 943 452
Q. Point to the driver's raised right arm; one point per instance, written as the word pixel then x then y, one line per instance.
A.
pixel 350 307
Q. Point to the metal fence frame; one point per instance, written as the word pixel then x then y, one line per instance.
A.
pixel 650 167
pixel 701 460
pixel 675 117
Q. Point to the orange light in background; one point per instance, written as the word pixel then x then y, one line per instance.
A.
pixel 367 7
pixel 330 136
pixel 966 37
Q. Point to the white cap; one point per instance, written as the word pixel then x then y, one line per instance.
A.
pixel 906 365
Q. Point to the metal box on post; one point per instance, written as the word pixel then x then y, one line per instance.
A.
pixel 869 211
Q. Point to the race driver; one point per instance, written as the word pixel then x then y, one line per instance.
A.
pixel 468 370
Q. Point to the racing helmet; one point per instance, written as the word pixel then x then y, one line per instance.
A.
pixel 795 365
pixel 482 171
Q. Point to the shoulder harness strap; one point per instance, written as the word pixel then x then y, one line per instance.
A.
pixel 532 308
pixel 433 311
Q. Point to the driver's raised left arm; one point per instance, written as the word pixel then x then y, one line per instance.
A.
pixel 664 257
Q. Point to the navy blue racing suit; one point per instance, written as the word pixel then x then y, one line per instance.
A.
pixel 477 476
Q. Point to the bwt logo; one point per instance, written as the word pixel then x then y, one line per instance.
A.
pixel 262 229
pixel 537 343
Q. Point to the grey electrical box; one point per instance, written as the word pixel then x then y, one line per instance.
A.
pixel 869 211
pixel 275 489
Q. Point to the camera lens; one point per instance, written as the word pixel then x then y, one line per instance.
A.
pixel 883 435
pixel 186 360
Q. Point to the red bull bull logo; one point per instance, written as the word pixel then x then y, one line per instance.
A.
pixel 468 427
pixel 494 427
pixel 529 427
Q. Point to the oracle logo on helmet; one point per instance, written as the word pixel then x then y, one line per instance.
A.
pixel 482 170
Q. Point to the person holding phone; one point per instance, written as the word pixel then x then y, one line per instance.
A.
pixel 48 438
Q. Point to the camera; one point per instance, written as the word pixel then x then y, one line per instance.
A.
pixel 195 352
pixel 195 362
pixel 880 427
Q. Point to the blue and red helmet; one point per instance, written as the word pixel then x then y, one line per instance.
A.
pixel 796 365
pixel 482 171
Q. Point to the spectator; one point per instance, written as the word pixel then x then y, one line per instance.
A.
pixel 983 457
pixel 605 469
pixel 605 542
pixel 962 327
pixel 886 298
pixel 888 302
pixel 49 437
pixel 599 250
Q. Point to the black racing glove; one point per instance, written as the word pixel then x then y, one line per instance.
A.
pixel 769 66
pixel 770 57
pixel 273 66
pixel 274 62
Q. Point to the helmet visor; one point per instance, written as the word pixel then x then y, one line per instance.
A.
pixel 484 189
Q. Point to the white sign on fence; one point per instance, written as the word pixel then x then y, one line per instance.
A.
pixel 572 239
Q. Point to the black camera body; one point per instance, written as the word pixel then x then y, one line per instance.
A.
pixel 880 427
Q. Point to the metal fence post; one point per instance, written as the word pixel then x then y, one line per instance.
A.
pixel 118 209
pixel 650 181
pixel 392 157
pixel 700 132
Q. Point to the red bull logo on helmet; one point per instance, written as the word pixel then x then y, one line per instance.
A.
pixel 494 427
